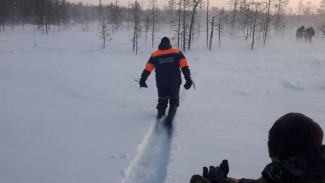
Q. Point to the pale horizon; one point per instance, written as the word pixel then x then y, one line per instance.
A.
pixel 217 3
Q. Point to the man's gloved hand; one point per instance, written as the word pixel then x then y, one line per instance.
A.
pixel 188 83
pixel 213 174
pixel 216 174
pixel 143 83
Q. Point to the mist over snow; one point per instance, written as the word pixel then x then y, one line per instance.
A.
pixel 71 112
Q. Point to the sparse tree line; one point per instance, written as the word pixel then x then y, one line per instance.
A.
pixel 43 13
pixel 257 21
pixel 249 20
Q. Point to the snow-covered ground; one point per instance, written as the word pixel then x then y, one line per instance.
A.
pixel 71 112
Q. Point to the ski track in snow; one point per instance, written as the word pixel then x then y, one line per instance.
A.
pixel 150 163
pixel 154 153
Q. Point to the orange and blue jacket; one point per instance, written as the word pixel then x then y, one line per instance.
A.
pixel 168 64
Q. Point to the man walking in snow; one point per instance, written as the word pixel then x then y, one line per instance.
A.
pixel 168 63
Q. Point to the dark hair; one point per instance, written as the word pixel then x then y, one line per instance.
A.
pixel 294 133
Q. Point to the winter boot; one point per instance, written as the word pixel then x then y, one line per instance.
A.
pixel 171 115
pixel 161 113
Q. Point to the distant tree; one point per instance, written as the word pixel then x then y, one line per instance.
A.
pixel 100 11
pixel 308 8
pixel 255 17
pixel 4 9
pixel 147 27
pixel 207 24
pixel 175 20
pixel 300 7
pixel 137 29
pixel 184 24
pixel 322 28
pixel 267 21
pixel 114 16
pixel 195 4
pixel 179 17
pixel 153 4
pixel 44 13
pixel 76 14
pixel 235 5
pixel 279 17
pixel 56 8
pixel 64 14
pixel 247 14
pixel 13 12
pixel 171 11
pixel 221 19
pixel 322 7
pixel 85 19
pixel 46 16
pixel 128 14
pixel 211 34
pixel 104 34
pixel 23 12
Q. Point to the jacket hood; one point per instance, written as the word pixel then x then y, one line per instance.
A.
pixel 307 167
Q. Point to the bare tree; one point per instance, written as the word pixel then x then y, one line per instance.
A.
pixel 208 25
pixel 147 27
pixel 171 12
pixel 300 7
pixel 256 13
pixel 278 22
pixel 322 29
pixel 43 16
pixel 211 34
pixel 195 5
pixel 46 16
pixel 13 12
pixel 176 21
pixel 137 29
pixel 115 16
pixel 104 34
pixel 308 8
pixel 100 7
pixel 234 13
pixel 4 11
pixel 322 7
pixel 184 25
pixel 179 11
pixel 153 14
pixel 247 15
pixel 221 18
pixel 85 20
pixel 267 21
pixel 128 14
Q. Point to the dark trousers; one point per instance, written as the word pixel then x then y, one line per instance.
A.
pixel 168 93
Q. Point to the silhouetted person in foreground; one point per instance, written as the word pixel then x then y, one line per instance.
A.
pixel 295 148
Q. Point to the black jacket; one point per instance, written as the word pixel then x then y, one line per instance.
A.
pixel 307 167
pixel 168 63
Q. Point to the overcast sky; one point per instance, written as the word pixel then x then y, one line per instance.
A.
pixel 218 3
